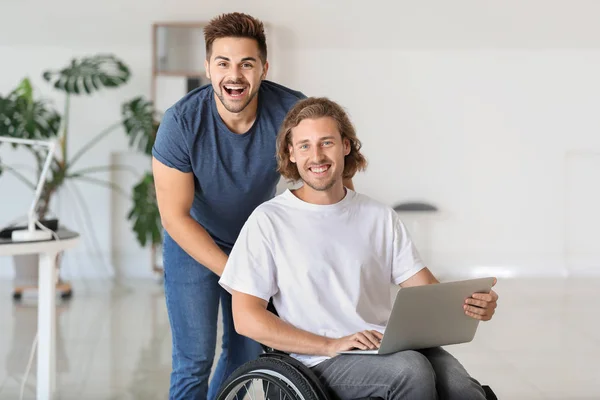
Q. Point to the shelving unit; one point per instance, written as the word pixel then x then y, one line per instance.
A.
pixel 177 52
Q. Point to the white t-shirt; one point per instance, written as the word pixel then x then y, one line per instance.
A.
pixel 328 268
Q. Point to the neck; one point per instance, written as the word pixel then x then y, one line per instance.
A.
pixel 333 195
pixel 238 122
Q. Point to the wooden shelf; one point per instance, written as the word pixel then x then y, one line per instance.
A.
pixel 177 51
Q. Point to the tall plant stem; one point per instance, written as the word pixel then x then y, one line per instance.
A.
pixel 65 130
pixel 92 142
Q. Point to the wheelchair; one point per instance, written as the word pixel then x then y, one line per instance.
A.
pixel 277 375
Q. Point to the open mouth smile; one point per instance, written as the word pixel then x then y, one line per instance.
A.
pixel 319 170
pixel 235 91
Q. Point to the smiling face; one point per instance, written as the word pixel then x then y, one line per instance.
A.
pixel 235 71
pixel 318 151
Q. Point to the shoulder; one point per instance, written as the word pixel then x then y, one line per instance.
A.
pixel 374 207
pixel 276 94
pixel 270 213
pixel 266 210
pixel 192 104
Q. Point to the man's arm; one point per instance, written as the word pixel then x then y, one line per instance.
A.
pixel 423 277
pixel 252 319
pixel 175 194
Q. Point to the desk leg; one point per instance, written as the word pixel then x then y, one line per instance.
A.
pixel 46 378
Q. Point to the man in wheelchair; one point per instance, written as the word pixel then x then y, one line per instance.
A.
pixel 326 255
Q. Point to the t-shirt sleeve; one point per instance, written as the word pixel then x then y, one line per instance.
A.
pixel 171 147
pixel 250 268
pixel 406 260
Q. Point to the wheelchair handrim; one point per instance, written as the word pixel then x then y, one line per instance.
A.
pixel 258 374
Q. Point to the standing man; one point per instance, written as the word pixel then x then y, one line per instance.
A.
pixel 214 163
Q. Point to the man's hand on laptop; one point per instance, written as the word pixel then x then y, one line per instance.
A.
pixel 365 340
pixel 481 306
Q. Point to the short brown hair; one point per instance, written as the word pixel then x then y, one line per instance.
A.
pixel 313 108
pixel 236 25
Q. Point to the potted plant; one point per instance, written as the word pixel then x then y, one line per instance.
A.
pixel 24 116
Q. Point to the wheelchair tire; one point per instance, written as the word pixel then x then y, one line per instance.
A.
pixel 290 381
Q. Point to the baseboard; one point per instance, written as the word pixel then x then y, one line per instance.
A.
pixel 101 266
pixel 79 265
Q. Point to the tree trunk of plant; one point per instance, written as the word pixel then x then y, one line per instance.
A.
pixel 44 202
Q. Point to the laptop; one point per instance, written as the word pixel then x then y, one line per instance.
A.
pixel 430 316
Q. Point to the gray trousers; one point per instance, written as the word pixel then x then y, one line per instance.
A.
pixel 425 374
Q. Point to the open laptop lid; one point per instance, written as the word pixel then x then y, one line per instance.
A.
pixel 432 315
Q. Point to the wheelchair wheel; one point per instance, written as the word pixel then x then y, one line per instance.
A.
pixel 267 378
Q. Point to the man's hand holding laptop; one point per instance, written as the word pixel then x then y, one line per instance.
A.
pixel 481 306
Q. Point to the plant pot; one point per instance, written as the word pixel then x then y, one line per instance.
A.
pixel 26 270
pixel 26 265
pixel 27 273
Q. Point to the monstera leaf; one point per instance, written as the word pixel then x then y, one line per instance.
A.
pixel 89 74
pixel 144 213
pixel 23 117
pixel 140 124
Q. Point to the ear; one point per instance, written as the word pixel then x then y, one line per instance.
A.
pixel 207 69
pixel 291 150
pixel 265 70
pixel 347 146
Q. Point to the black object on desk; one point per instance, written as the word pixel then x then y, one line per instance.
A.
pixel 51 224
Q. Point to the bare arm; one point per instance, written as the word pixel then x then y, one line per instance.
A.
pixel 175 194
pixel 252 319
pixel 423 277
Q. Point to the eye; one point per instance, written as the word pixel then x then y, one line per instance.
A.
pixel 222 64
pixel 247 65
pixel 327 143
pixel 303 146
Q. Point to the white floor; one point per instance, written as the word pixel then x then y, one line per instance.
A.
pixel 114 342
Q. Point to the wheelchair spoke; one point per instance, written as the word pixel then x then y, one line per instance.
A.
pixel 254 385
pixel 245 388
pixel 248 390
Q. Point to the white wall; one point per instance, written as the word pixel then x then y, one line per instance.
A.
pixel 486 109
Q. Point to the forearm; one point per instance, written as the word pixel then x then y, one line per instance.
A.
pixel 196 241
pixel 268 329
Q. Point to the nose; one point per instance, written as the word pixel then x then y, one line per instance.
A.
pixel 236 72
pixel 316 153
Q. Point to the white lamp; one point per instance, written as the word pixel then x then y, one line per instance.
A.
pixel 31 234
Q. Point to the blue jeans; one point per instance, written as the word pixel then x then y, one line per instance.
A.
pixel 192 294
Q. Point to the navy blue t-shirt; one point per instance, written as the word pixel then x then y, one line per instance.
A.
pixel 234 173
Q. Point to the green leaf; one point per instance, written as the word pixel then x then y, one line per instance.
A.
pixel 89 74
pixel 22 116
pixel 140 124
pixel 145 214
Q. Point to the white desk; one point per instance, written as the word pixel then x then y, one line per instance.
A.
pixel 46 353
